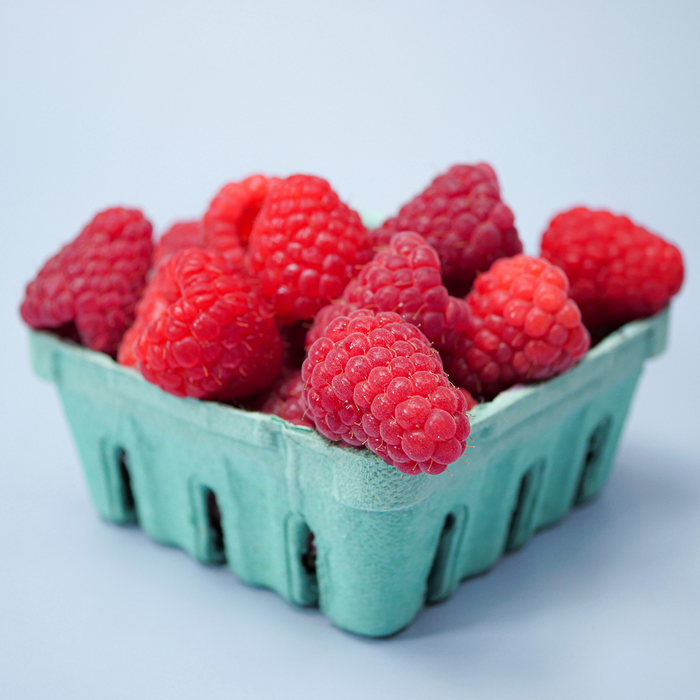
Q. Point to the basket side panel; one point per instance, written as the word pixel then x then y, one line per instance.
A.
pixel 503 509
pixel 603 433
pixel 563 459
pixel 187 469
pixel 171 466
pixel 94 427
pixel 373 567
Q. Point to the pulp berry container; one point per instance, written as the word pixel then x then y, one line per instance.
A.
pixel 249 489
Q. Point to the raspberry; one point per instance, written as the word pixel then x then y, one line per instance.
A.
pixel 238 204
pixel 285 400
pixel 618 270
pixel 375 380
pixel 523 327
pixel 324 317
pixel 214 236
pixel 404 277
pixel 306 245
pixel 471 401
pixel 184 234
pixel 204 330
pixel 151 305
pixel 462 216
pixel 95 281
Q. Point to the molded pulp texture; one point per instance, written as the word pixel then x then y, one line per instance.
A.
pixel 247 488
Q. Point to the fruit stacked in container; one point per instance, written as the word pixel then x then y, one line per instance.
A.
pixel 282 343
pixel 279 299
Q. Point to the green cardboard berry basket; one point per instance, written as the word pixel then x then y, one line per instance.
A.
pixel 248 489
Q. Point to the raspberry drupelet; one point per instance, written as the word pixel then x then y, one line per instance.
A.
pixel 95 281
pixel 462 216
pixel 305 246
pixel 375 380
pixel 204 330
pixel 618 270
pixel 523 327
pixel 405 277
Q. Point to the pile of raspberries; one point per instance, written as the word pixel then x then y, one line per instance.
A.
pixel 280 300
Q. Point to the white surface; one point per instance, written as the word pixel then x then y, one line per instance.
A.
pixel 158 104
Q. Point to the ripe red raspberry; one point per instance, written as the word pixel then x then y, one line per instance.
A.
pixel 214 236
pixel 462 216
pixel 181 235
pixel 523 327
pixel 204 330
pixel 152 304
pixel 238 204
pixel 404 277
pixel 618 271
pixel 471 401
pixel 375 380
pixel 324 317
pixel 285 400
pixel 306 245
pixel 95 281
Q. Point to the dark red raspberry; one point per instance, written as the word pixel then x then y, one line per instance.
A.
pixel 404 277
pixel 204 330
pixel 285 400
pixel 375 380
pixel 306 245
pixel 618 271
pixel 462 216
pixel 523 327
pixel 95 281
pixel 181 235
pixel 238 204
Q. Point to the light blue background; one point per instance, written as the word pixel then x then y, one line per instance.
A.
pixel 157 104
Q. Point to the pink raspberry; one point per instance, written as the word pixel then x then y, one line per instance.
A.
pixel 462 216
pixel 95 281
pixel 306 245
pixel 204 330
pixel 404 277
pixel 375 380
pixel 523 327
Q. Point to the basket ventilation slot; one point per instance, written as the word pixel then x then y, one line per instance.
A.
pixel 522 522
pixel 215 544
pixel 444 574
pixel 592 461
pixel 126 500
pixel 302 561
